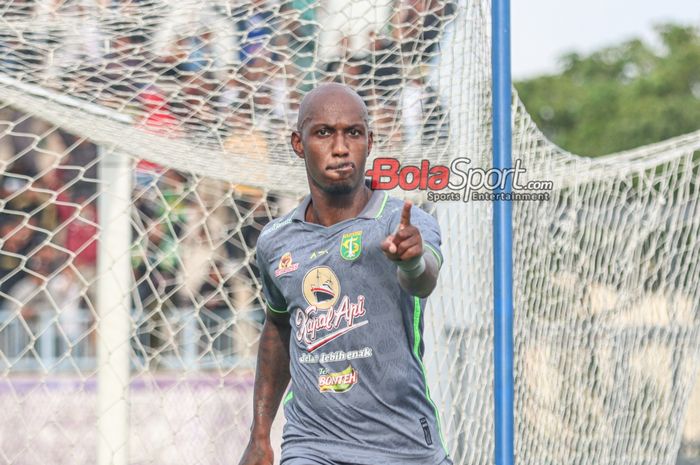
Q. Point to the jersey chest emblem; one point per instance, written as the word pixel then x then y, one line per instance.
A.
pixel 321 287
pixel 327 317
pixel 351 245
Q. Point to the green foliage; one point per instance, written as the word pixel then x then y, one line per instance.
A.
pixel 620 97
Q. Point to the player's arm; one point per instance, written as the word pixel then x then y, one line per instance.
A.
pixel 272 371
pixel 271 379
pixel 417 268
pixel 424 284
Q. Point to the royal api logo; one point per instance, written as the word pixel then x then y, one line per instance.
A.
pixel 351 245
pixel 323 321
pixel 321 287
pixel 286 266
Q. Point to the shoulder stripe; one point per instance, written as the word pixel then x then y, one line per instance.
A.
pixel 381 209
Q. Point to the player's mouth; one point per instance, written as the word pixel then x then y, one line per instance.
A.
pixel 342 168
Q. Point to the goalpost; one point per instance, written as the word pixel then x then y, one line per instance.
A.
pixel 503 384
pixel 143 147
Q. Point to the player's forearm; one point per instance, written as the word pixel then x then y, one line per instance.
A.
pixel 423 284
pixel 271 376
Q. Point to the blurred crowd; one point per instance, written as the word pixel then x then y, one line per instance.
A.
pixel 193 239
pixel 240 69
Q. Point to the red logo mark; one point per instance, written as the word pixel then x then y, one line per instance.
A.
pixel 386 173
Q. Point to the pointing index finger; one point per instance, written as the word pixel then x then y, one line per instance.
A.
pixel 406 214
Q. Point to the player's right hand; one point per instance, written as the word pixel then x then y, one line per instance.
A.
pixel 405 243
pixel 257 453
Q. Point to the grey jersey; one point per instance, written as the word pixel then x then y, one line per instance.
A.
pixel 358 392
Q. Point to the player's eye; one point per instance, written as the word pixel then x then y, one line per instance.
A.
pixel 354 132
pixel 323 132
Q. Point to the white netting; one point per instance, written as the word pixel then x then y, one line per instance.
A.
pixel 158 130
pixel 606 297
pixel 224 79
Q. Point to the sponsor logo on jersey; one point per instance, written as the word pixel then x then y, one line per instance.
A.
pixel 275 226
pixel 426 431
pixel 336 356
pixel 321 289
pixel 339 382
pixel 286 266
pixel 318 254
pixel 351 245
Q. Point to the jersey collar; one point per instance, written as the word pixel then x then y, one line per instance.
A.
pixel 372 210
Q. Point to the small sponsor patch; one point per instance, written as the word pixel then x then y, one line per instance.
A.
pixel 318 254
pixel 286 265
pixel 339 382
pixel 351 245
pixel 426 431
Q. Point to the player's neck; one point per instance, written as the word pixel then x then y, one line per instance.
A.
pixel 329 209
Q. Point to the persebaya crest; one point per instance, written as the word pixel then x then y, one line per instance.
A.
pixel 351 245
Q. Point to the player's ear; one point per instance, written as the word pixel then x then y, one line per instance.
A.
pixel 370 142
pixel 297 146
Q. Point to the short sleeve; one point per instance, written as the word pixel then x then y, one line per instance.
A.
pixel 428 227
pixel 274 299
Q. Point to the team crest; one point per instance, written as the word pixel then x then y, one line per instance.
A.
pixel 321 287
pixel 286 265
pixel 351 245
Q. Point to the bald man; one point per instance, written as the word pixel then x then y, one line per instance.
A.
pixel 345 278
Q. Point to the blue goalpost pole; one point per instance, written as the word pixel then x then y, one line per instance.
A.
pixel 502 236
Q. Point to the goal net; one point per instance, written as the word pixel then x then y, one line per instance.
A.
pixel 144 145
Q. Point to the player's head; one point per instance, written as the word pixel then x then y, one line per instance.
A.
pixel 333 138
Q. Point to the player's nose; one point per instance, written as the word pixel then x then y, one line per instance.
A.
pixel 340 145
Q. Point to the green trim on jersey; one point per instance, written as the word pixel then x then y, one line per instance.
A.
pixel 381 209
pixel 435 252
pixel 274 310
pixel 288 397
pixel 416 352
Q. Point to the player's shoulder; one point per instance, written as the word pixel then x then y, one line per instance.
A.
pixel 276 228
pixel 394 207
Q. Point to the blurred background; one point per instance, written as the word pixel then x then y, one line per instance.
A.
pixel 605 76
pixel 598 77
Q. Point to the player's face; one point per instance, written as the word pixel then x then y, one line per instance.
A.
pixel 335 142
